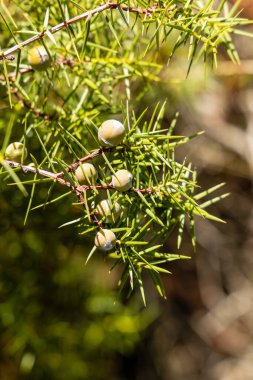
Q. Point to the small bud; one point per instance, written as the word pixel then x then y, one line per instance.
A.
pixel 111 133
pixel 105 240
pixel 15 151
pixel 122 180
pixel 86 174
pixel 110 213
pixel 39 58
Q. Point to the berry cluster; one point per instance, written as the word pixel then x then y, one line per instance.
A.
pixel 110 134
pixel 163 197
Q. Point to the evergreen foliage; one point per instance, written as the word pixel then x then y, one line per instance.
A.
pixel 97 52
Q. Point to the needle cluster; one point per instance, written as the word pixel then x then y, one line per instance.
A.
pixel 69 69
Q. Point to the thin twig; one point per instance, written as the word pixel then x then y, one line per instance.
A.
pixel 42 172
pixel 57 177
pixel 77 190
pixel 54 29
pixel 139 10
pixel 89 157
pixel 12 74
pixel 66 23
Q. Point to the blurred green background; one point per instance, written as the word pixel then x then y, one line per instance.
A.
pixel 60 319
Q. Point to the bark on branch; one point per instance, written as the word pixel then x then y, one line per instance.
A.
pixel 64 24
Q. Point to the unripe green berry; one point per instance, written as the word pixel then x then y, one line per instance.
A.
pixel 105 240
pixel 122 180
pixel 15 151
pixel 86 174
pixel 39 58
pixel 111 133
pixel 110 213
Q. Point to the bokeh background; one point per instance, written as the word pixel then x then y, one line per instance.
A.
pixel 60 319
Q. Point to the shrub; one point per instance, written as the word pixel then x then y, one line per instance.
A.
pixel 78 71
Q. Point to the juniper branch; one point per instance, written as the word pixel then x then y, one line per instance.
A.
pixel 89 157
pixel 57 177
pixel 77 190
pixel 88 14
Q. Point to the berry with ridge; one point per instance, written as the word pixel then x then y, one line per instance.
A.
pixel 122 180
pixel 105 240
pixel 15 152
pixel 39 58
pixel 86 174
pixel 110 212
pixel 111 133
